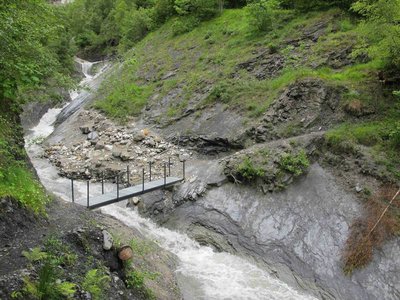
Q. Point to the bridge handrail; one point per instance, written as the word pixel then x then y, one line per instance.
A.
pixel 120 173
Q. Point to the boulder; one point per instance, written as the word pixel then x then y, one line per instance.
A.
pixel 93 136
pixel 107 240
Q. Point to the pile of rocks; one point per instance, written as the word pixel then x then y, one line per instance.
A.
pixel 105 149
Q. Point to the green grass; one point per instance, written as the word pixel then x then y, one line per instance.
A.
pixel 17 182
pixel 16 179
pixel 205 58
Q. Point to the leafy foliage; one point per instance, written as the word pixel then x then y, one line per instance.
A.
pixel 263 14
pixel 294 163
pixel 46 286
pixel 135 279
pixel 35 49
pixel 248 170
pixel 96 282
pixel 380 30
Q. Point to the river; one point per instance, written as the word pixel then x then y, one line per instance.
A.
pixel 202 273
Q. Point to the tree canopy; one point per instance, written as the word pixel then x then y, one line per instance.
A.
pixel 35 49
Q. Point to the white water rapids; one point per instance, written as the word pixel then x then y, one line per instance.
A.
pixel 202 273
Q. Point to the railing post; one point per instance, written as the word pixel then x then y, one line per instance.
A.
pixel 169 166
pixel 102 183
pixel 88 193
pixel 143 179
pixel 127 175
pixel 183 164
pixel 72 190
pixel 165 174
pixel 117 186
pixel 150 163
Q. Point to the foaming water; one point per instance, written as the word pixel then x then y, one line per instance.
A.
pixel 203 273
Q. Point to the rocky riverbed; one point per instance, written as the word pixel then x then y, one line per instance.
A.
pixel 102 148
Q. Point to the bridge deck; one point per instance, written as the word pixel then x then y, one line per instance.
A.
pixel 126 193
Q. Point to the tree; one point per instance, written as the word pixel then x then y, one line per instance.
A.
pixel 34 49
pixel 381 29
pixel 262 13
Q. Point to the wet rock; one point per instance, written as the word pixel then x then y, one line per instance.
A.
pixel 132 202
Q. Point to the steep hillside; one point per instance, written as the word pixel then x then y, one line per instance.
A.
pixel 232 86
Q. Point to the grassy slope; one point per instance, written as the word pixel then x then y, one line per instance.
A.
pixel 16 180
pixel 207 57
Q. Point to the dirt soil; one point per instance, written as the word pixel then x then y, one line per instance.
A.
pixel 81 230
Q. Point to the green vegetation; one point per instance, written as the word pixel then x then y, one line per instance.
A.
pixel 16 180
pixel 248 171
pixel 35 62
pixel 264 14
pixel 294 163
pixel 96 282
pixel 53 263
pixel 124 101
pixel 219 45
pixel 381 136
pixel 36 51
pixel 46 286
pixel 135 279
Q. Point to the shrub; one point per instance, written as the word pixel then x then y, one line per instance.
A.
pixel 295 164
pixel 262 14
pixel 221 92
pixel 365 236
pixel 201 9
pixel 394 135
pixel 248 171
pixel 185 24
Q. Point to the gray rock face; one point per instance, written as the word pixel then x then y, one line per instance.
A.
pixel 299 234
pixel 305 106
pixel 263 66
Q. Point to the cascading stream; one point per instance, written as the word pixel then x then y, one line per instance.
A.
pixel 202 273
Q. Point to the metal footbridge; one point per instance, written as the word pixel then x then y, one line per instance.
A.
pixel 128 190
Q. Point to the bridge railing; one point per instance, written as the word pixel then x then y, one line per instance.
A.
pixel 166 173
